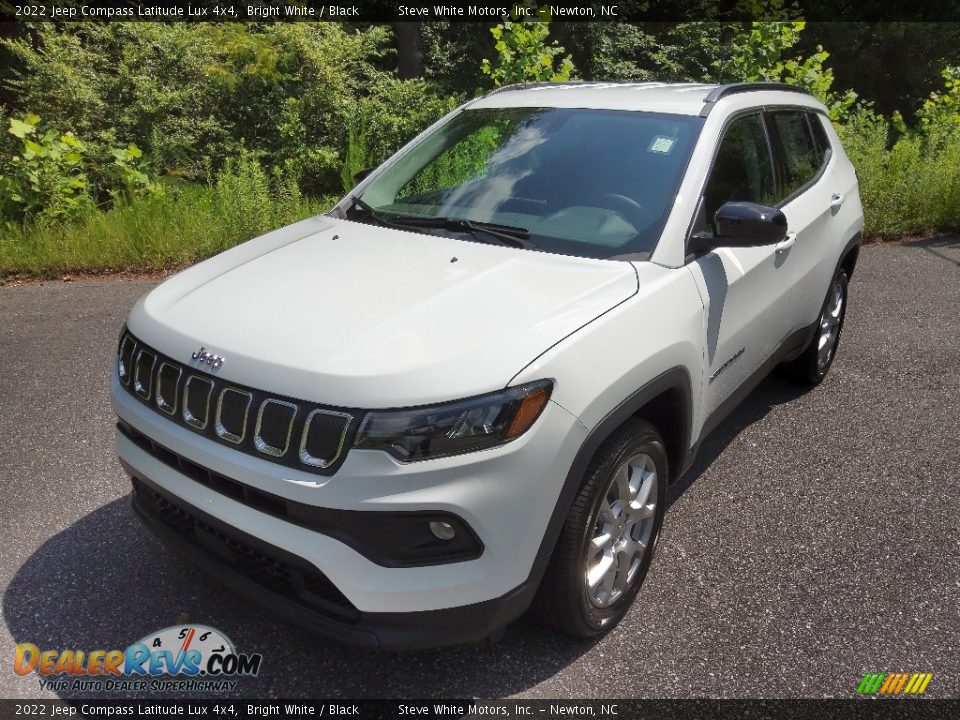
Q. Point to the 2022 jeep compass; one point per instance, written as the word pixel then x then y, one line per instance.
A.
pixel 466 388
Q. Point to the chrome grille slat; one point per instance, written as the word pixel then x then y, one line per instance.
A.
pixel 316 461
pixel 258 440
pixel 167 405
pixel 125 362
pixel 192 420
pixel 221 429
pixel 195 400
pixel 143 386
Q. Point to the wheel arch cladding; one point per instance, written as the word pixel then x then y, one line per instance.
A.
pixel 669 413
pixel 666 403
pixel 848 260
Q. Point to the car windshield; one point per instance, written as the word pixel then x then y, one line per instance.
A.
pixel 590 183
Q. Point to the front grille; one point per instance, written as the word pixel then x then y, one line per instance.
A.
pixel 272 427
pixel 265 502
pixel 270 567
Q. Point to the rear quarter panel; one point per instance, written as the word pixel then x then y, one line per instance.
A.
pixel 839 226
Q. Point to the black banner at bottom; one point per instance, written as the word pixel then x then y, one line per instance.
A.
pixel 861 709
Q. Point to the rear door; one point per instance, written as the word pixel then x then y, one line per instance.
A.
pixel 808 197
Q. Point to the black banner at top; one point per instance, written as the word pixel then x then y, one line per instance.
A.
pixel 479 11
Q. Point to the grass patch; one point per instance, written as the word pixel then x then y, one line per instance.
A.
pixel 169 230
pixel 911 187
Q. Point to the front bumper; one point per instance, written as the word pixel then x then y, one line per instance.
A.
pixel 506 495
pixel 383 630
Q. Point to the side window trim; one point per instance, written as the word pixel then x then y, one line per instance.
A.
pixel 825 162
pixel 774 159
pixel 821 139
pixel 698 208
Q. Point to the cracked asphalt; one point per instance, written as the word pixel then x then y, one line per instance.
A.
pixel 816 539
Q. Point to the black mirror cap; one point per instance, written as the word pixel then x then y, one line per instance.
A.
pixel 745 224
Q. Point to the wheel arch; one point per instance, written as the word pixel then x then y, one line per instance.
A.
pixel 850 255
pixel 666 402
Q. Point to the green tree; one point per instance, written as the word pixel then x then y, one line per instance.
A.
pixel 761 53
pixel 941 111
pixel 55 175
pixel 393 114
pixel 525 55
pixel 184 91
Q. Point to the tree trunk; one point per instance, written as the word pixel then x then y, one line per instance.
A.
pixel 409 49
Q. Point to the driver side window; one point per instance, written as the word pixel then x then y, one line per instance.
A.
pixel 742 170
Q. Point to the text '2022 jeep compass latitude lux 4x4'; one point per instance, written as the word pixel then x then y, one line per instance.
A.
pixel 466 388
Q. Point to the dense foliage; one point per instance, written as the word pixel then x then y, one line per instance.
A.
pixel 108 131
pixel 525 55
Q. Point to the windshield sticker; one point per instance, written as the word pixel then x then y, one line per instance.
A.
pixel 661 144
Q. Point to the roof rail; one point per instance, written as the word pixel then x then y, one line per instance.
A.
pixel 733 88
pixel 722 91
pixel 531 85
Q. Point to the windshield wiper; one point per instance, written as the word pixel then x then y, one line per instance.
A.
pixel 504 234
pixel 507 234
pixel 375 215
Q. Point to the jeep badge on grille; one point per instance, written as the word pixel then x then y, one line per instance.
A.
pixel 204 356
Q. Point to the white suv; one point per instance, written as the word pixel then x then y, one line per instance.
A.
pixel 467 388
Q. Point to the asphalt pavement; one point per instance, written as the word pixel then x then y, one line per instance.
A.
pixel 816 539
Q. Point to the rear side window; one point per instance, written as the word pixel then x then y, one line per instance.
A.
pixel 800 158
pixel 820 136
pixel 742 170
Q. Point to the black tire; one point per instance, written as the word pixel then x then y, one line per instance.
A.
pixel 807 368
pixel 564 599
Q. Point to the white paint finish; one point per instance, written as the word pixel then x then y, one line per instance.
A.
pixel 680 99
pixel 659 329
pixel 383 318
pixel 377 318
pixel 746 295
pixel 500 492
pixel 826 223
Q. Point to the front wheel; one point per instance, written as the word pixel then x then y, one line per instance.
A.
pixel 815 361
pixel 608 538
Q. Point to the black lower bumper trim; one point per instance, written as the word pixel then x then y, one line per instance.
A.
pixel 386 630
pixel 388 538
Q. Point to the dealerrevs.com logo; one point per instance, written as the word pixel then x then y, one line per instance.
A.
pixel 894 683
pixel 181 657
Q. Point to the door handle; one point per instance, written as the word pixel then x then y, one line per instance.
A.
pixel 836 201
pixel 786 243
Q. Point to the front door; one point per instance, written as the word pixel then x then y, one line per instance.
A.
pixel 746 291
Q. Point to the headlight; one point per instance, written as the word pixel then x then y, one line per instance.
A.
pixel 458 427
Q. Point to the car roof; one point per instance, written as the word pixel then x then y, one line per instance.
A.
pixel 676 98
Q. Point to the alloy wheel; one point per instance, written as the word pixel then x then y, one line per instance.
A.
pixel 830 325
pixel 622 531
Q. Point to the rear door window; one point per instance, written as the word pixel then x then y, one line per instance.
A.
pixel 799 157
pixel 820 136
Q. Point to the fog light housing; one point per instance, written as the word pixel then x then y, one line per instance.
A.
pixel 442 530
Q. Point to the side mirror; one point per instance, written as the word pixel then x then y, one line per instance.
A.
pixel 747 224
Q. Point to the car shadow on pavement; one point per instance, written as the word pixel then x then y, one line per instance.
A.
pixel 769 393
pixel 939 245
pixel 105 582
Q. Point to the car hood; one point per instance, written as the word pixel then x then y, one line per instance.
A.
pixel 353 315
